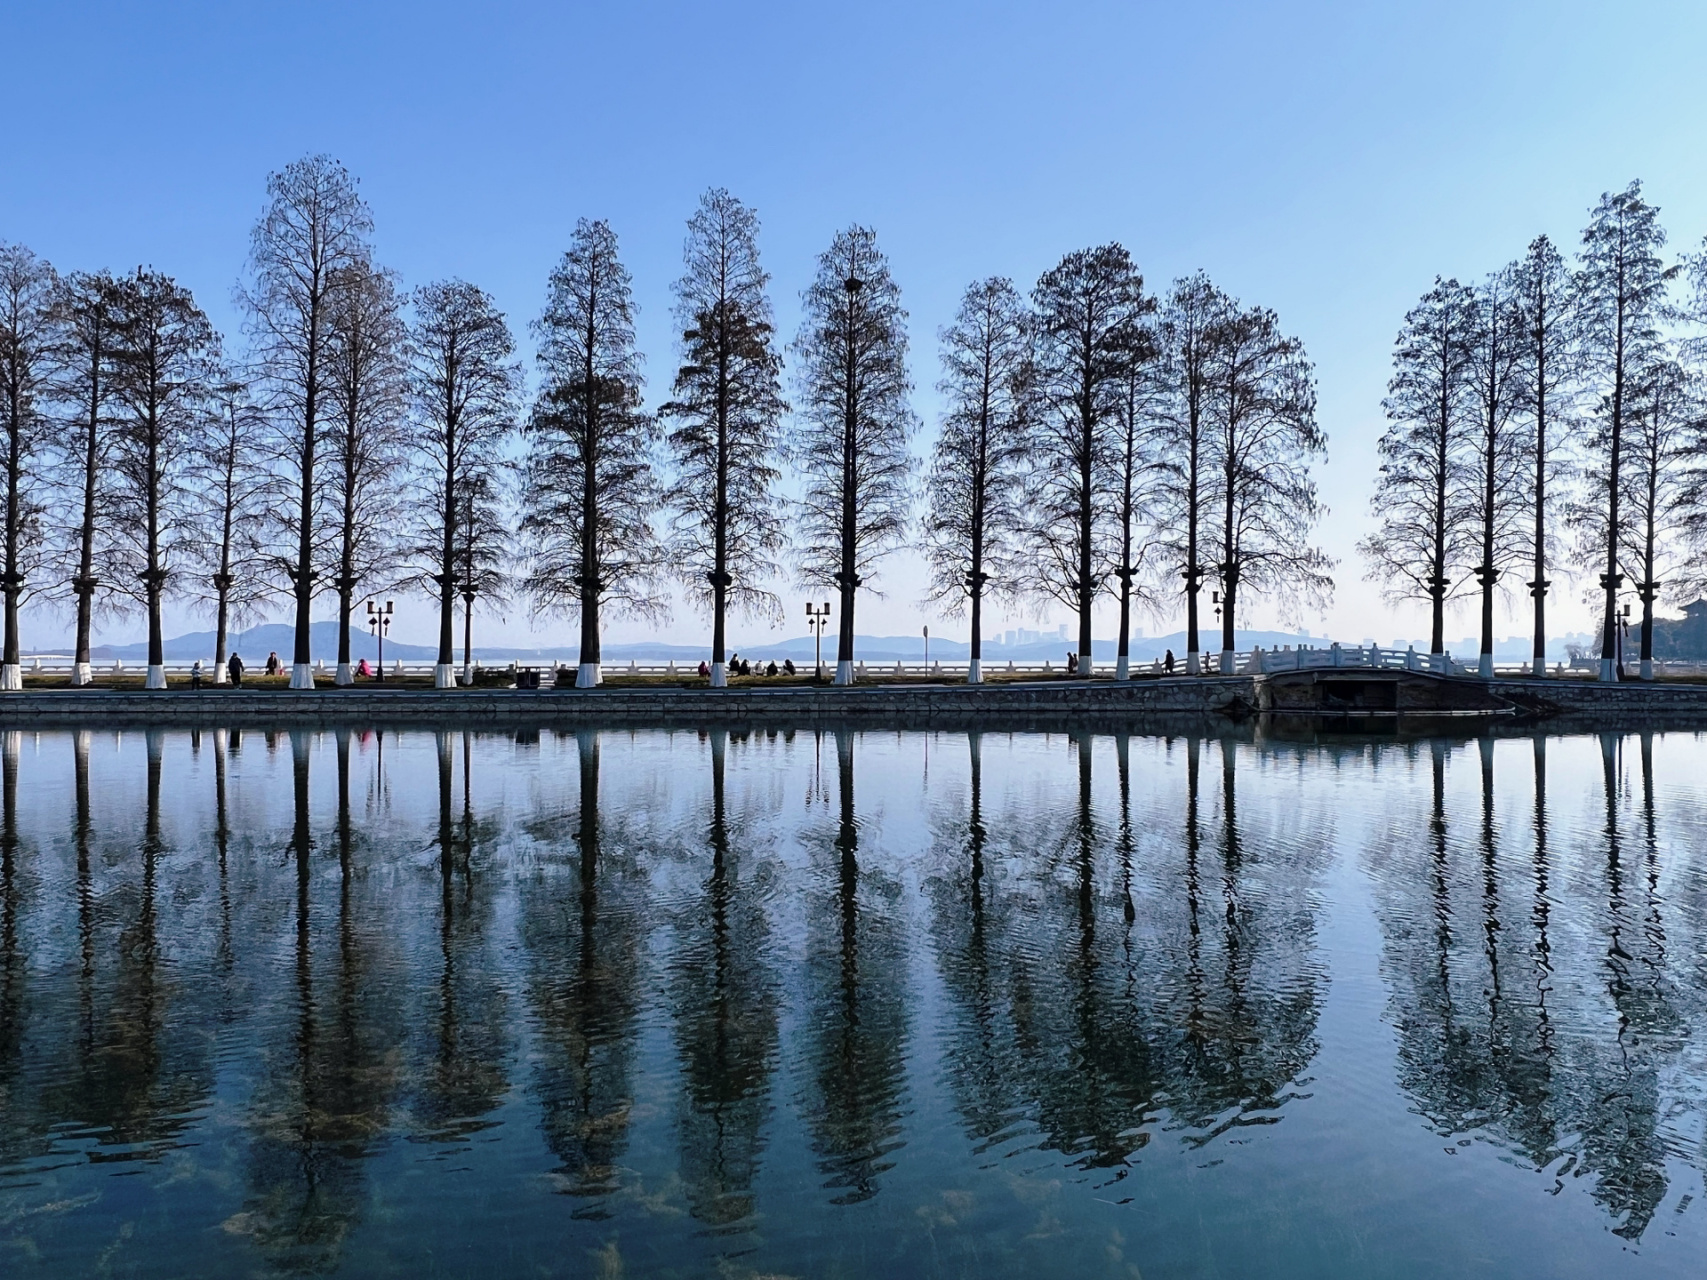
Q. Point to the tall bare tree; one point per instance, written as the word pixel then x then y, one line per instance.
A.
pixel 1425 537
pixel 1134 479
pixel 367 398
pixel 165 356
pixel 849 442
pixel 589 488
pixel 86 318
pixel 1262 407
pixel 975 524
pixel 1188 318
pixel 1621 294
pixel 727 409
pixel 1663 423
pixel 1497 445
pixel 314 229
pixel 466 391
pixel 233 484
pixel 483 554
pixel 1089 307
pixel 28 287
pixel 1542 295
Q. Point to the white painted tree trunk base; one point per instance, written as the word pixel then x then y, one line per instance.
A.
pixel 1229 664
pixel 844 672
pixel 468 675
pixel 719 675
pixel 442 677
pixel 11 676
pixel 82 674
pixel 1485 666
pixel 345 676
pixel 975 671
pixel 587 677
pixel 1122 668
pixel 301 676
pixel 156 677
pixel 1647 668
pixel 1608 670
pixel 1193 663
pixel 1538 668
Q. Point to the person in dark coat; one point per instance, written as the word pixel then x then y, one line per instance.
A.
pixel 234 669
pixel 1168 662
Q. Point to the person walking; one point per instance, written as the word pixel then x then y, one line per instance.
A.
pixel 234 669
pixel 196 675
pixel 273 663
pixel 1168 662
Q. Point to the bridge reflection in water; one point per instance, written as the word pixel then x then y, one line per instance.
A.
pixel 345 1001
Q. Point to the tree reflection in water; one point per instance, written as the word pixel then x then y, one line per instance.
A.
pixel 1095 1007
pixel 856 1007
pixel 1558 1053
pixel 328 1087
pixel 723 999
pixel 586 953
pixel 465 1073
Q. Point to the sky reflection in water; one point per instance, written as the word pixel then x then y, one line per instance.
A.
pixel 843 1004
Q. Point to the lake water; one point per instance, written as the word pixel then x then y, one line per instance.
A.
pixel 651 1004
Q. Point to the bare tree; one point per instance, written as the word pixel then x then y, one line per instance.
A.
pixel 164 358
pixel 229 475
pixel 1542 295
pixel 1425 535
pixel 86 317
pixel 315 228
pixel 1621 294
pixel 367 393
pixel 483 554
pixel 727 406
pixel 1496 446
pixel 849 442
pixel 1089 309
pixel 1664 414
pixel 1134 478
pixel 1262 407
pixel 588 486
pixel 976 519
pixel 466 392
pixel 1193 308
pixel 28 287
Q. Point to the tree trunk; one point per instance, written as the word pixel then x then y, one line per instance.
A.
pixel 11 671
pixel 847 577
pixel 1538 586
pixel 720 579
pixel 1611 580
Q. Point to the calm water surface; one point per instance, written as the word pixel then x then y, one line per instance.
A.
pixel 649 1004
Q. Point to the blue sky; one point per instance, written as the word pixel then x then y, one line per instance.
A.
pixel 1324 159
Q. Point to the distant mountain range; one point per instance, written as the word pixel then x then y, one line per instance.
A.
pixel 277 637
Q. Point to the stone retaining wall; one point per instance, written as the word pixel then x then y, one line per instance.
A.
pixel 1183 703
pixel 1048 705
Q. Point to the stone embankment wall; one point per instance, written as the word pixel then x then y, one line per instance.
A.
pixel 1058 705
pixel 1182 704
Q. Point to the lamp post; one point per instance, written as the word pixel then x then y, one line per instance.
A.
pixel 379 622
pixel 817 619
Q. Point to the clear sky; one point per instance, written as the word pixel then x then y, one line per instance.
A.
pixel 1324 159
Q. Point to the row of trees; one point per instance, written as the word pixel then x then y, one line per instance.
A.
pixel 1098 442
pixel 1551 415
